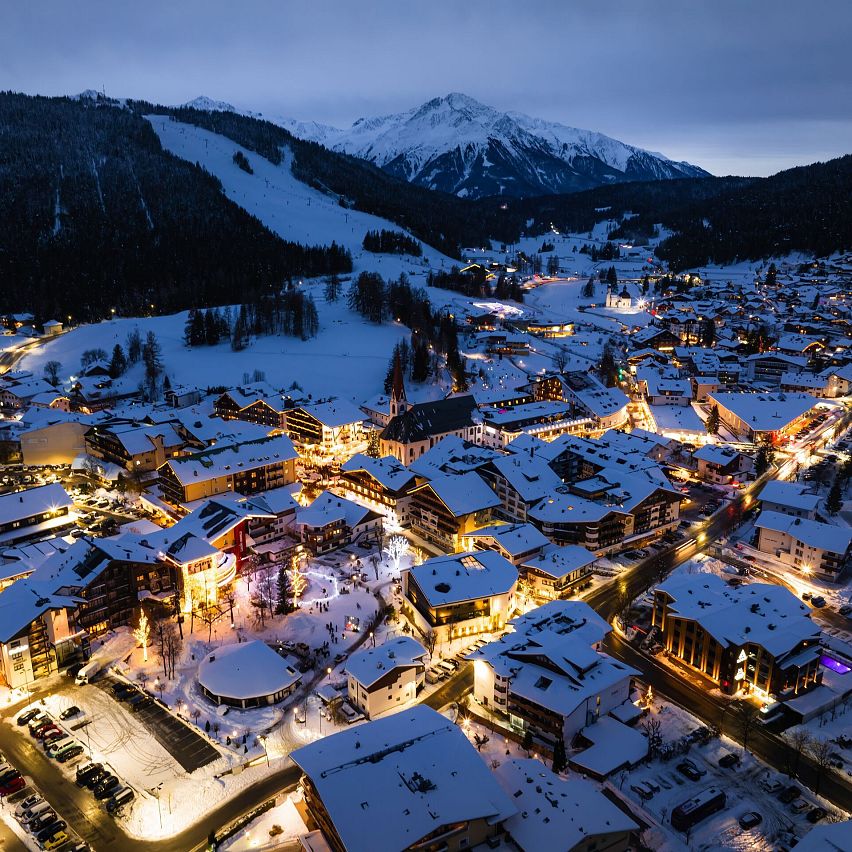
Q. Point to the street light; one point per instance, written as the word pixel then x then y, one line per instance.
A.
pixel 155 791
pixel 262 738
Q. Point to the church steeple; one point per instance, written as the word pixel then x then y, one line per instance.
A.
pixel 399 403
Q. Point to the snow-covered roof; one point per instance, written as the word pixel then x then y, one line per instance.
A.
pixel 815 534
pixel 463 494
pixel 328 508
pixel 373 664
pixel 229 460
pixel 23 602
pixel 613 745
pixel 334 414
pixel 387 784
pixel 532 477
pixel 759 613
pixel 556 813
pixel 827 837
pixel 464 577
pixel 452 455
pixel 18 505
pixel 388 471
pixel 716 454
pixel 765 412
pixel 558 562
pixel 246 670
pixel 795 495
pixel 514 539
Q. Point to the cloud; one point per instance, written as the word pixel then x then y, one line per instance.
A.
pixel 749 84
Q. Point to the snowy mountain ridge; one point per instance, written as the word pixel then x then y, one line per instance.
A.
pixel 457 144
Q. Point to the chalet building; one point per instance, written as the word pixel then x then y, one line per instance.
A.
pixel 654 337
pixel 383 484
pixel 768 367
pixel 274 533
pixel 256 403
pixel 806 545
pixel 515 542
pixel 387 677
pixel 590 397
pixel 137 449
pixel 460 595
pixel 571 815
pixel 555 572
pixel 763 416
pixel 331 522
pixel 328 429
pixel 246 468
pixel 443 509
pixel 546 419
pixel 789 498
pixel 545 676
pixel 418 783
pixel 52 437
pixel 757 638
pixel 722 464
pixel 34 512
pixel 609 512
pixel 520 481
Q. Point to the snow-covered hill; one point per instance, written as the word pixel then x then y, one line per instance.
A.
pixel 456 144
pixel 290 208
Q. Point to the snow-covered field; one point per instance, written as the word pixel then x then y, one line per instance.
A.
pixel 348 358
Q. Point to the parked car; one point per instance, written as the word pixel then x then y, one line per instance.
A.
pixel 772 787
pixel 95 778
pixel 28 716
pixel 119 799
pixel 86 772
pixel 846 609
pixel 70 713
pixel 44 819
pixel 729 761
pixel 34 812
pixel 105 787
pixel 790 794
pixel 26 804
pixel 750 820
pixel 145 701
pixel 55 840
pixel 690 770
pixel 12 785
pixel 800 806
pixel 51 830
pixel 816 815
pixel 818 601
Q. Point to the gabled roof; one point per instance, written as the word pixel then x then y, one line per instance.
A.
pixel 388 784
pixel 514 539
pixel 371 665
pixel 428 419
pixel 815 534
pixel 463 494
pixel 17 505
pixel 388 471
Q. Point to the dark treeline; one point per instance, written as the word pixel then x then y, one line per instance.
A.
pixel 94 215
pixel 433 333
pixel 807 209
pixel 391 242
pixel 475 282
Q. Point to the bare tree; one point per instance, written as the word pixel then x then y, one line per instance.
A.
pixel 560 360
pixel 652 728
pixel 168 646
pixel 799 741
pixel 747 714
pixel 820 751
pixel 264 594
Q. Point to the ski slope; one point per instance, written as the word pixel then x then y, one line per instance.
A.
pixel 290 208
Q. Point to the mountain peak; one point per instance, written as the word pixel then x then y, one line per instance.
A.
pixel 456 144
pixel 205 104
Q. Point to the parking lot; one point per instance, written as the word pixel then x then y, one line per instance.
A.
pixel 751 787
pixel 187 747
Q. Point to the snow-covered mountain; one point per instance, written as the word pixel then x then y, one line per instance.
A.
pixel 456 144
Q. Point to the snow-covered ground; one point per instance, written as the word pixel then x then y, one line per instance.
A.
pixel 344 339
pixel 290 208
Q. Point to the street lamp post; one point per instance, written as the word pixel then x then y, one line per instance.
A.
pixel 155 791
pixel 265 750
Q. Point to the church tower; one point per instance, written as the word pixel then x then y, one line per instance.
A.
pixel 398 401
